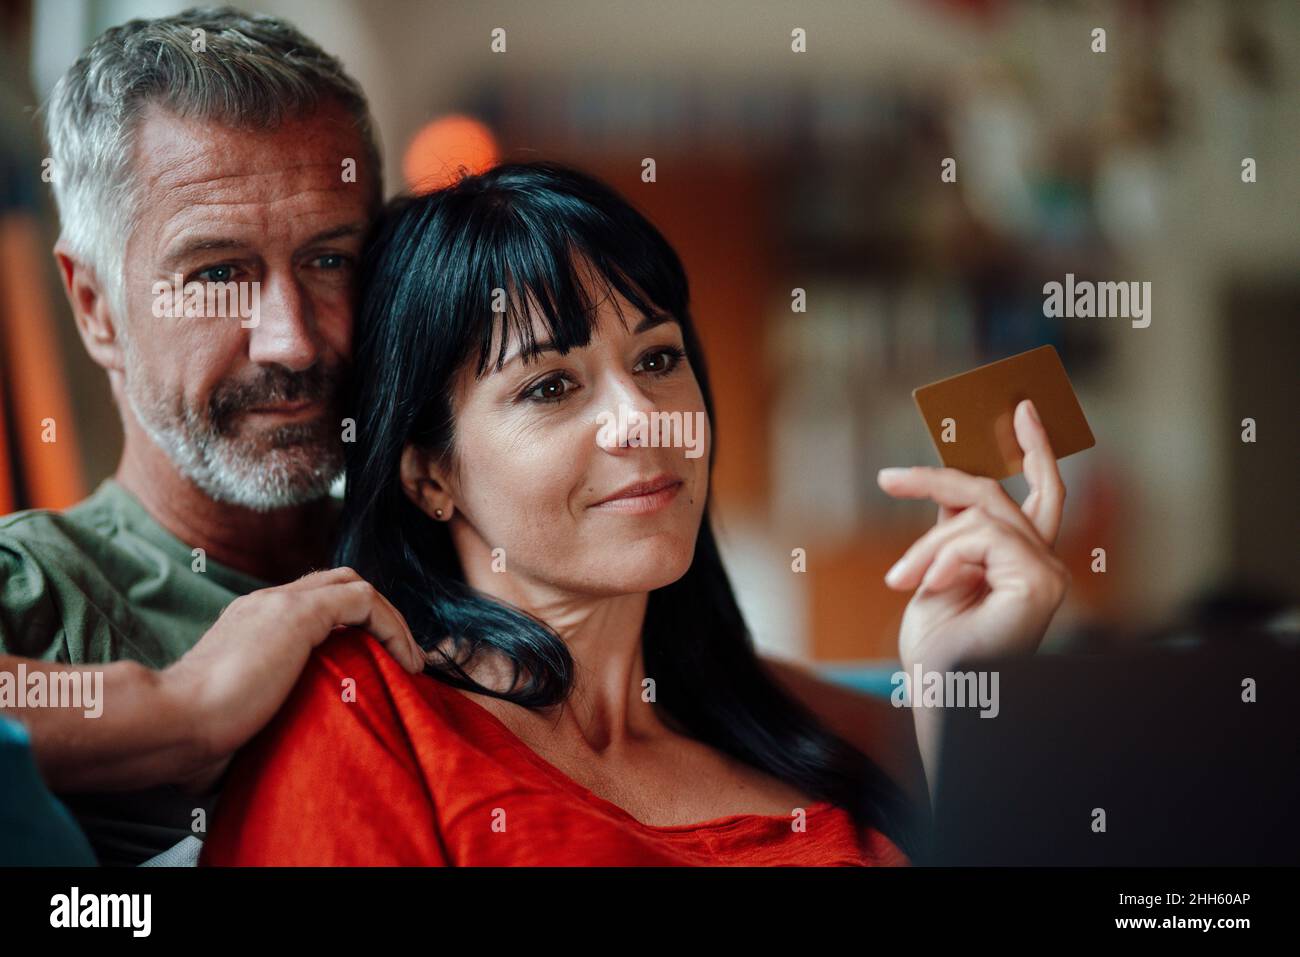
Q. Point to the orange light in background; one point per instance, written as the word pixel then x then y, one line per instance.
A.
pixel 443 150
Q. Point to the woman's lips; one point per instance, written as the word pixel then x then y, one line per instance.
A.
pixel 642 497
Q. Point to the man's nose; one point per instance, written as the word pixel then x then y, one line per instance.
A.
pixel 283 327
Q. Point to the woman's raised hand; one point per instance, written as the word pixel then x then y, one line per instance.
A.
pixel 985 576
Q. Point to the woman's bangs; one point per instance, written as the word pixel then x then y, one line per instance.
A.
pixel 558 282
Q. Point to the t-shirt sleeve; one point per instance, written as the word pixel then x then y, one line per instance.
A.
pixel 31 622
pixel 332 780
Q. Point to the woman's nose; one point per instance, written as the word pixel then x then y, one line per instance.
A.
pixel 627 419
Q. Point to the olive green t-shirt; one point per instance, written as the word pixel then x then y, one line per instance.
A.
pixel 99 582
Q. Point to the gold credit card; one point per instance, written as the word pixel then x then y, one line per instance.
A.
pixel 970 415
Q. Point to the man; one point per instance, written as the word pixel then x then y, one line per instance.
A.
pixel 223 161
pixel 220 150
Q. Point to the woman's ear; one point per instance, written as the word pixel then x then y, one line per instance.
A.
pixel 422 482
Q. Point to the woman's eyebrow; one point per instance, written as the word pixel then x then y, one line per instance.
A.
pixel 537 349
pixel 649 322
pixel 645 325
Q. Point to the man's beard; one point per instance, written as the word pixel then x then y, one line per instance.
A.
pixel 279 467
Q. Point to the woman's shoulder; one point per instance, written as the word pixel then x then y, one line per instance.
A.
pixel 346 689
pixel 350 649
pixel 357 666
pixel 354 704
pixel 347 752
pixel 881 851
pixel 351 673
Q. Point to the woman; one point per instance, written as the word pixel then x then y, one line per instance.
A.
pixel 591 695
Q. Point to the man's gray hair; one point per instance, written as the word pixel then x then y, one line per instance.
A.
pixel 243 71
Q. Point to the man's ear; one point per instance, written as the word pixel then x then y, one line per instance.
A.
pixel 423 483
pixel 91 309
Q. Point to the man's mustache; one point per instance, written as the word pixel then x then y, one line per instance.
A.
pixel 275 385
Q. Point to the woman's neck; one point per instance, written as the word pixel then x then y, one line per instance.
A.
pixel 608 702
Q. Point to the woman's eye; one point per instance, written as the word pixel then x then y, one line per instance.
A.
pixel 549 390
pixel 221 273
pixel 660 361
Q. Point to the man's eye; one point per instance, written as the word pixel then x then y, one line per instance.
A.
pixel 331 261
pixel 215 274
pixel 549 390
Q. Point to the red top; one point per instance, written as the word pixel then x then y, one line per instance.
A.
pixel 409 771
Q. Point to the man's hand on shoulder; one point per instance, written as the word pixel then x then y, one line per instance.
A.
pixel 231 683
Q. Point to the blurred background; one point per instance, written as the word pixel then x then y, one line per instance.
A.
pixel 778 170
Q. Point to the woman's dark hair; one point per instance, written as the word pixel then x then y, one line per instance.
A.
pixel 427 297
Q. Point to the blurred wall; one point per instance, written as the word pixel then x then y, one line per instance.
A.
pixel 1154 129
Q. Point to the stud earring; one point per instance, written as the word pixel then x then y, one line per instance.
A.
pixel 438 512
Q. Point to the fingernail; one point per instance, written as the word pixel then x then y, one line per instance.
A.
pixel 1033 412
pixel 892 576
pixel 891 473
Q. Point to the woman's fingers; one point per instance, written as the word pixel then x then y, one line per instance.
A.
pixel 908 571
pixel 950 570
pixel 991 546
pixel 917 562
pixel 955 490
pixel 1046 498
